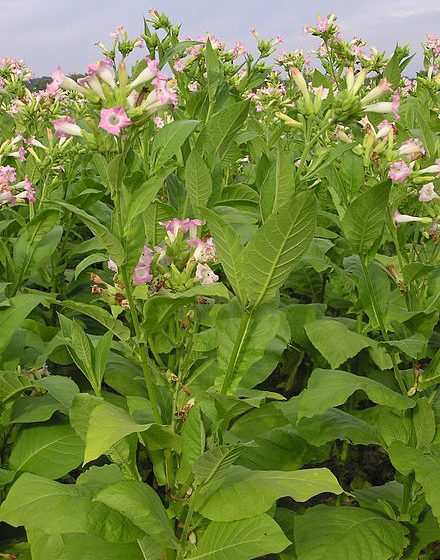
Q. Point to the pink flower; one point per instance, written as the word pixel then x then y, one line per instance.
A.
pixel 112 266
pixel 399 171
pixel 179 65
pixel 412 149
pixel 259 108
pixel 395 104
pixel 29 189
pixel 238 49
pixel 427 193
pixel 431 169
pixel 204 250
pixel 57 79
pixel 114 120
pixel 306 29
pixel 191 226
pixel 321 92
pixel 378 91
pixel 322 25
pixel 193 87
pixel 142 273
pixel 405 218
pixel 22 154
pixel 158 121
pixel 7 175
pixel 384 128
pixel 66 127
pixel 173 227
pixel 205 275
pixel 148 74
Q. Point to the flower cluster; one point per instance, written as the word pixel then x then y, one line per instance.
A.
pixel 13 192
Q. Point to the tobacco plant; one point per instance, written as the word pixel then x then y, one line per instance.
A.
pixel 220 296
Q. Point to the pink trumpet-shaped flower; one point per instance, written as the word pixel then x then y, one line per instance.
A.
pixel 399 171
pixel 114 120
pixel 66 127
pixel 405 218
pixel 142 274
pixel 412 149
pixel 384 129
pixel 111 265
pixel 427 193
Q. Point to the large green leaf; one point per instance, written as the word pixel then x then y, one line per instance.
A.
pixel 365 218
pixel 269 256
pixel 335 341
pixel 245 539
pixel 79 546
pixel 197 180
pixel 142 198
pixel 336 424
pixel 279 185
pixel 328 388
pixel 54 508
pixel 221 129
pixel 241 493
pixel 229 251
pixel 141 504
pixel 242 339
pixel 12 317
pixel 168 141
pixel 342 533
pixel 46 450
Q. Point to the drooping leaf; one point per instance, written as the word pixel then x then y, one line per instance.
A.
pixel 241 493
pixel 329 388
pixel 12 317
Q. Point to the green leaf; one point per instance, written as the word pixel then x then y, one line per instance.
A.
pixel 239 348
pixel 79 546
pixel 330 388
pixel 33 409
pixel 110 241
pixel 143 197
pixel 102 316
pixel 344 533
pixel 336 424
pixel 221 129
pixel 335 341
pixel 241 493
pixel 107 425
pixel 430 375
pixel 101 353
pixel 365 218
pixel 41 504
pixel 426 467
pixel 11 384
pixel 279 186
pixel 229 251
pixel 215 461
pixel 12 317
pixel 270 254
pixel 63 389
pixel 82 350
pixel 168 141
pixel 197 180
pixel 213 70
pixel 48 450
pixel 6 476
pixel 141 504
pixel 193 442
pixel 87 261
pixel 245 539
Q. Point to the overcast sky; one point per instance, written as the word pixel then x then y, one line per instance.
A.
pixel 50 32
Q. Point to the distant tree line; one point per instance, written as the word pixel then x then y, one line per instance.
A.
pixel 37 84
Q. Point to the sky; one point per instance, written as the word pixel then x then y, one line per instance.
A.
pixel 48 33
